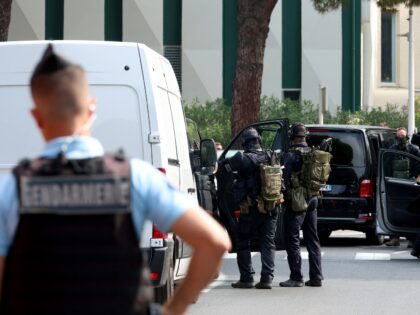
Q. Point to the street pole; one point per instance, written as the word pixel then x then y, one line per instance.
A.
pixel 323 103
pixel 411 122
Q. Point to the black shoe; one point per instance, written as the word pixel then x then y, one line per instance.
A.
pixel 291 283
pixel 263 285
pixel 313 283
pixel 393 242
pixel 415 253
pixel 242 285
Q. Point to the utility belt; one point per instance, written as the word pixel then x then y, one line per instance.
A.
pixel 250 204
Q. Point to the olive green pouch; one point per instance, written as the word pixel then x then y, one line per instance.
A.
pixel 298 200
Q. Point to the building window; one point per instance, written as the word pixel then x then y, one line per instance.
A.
pixel 388 37
pixel 293 95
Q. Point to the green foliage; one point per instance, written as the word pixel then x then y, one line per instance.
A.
pixel 391 4
pixel 324 6
pixel 272 107
pixel 213 118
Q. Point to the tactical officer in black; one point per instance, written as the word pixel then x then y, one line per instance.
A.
pixel 251 221
pixel 403 144
pixel 305 220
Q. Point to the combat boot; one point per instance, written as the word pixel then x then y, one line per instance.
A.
pixel 263 285
pixel 394 241
pixel 291 283
pixel 243 285
pixel 313 283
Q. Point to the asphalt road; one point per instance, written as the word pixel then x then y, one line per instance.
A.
pixel 359 279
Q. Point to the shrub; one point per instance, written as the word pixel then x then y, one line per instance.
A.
pixel 213 117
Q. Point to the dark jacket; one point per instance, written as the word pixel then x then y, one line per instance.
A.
pixel 410 148
pixel 292 162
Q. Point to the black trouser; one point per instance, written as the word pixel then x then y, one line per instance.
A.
pixel 416 245
pixel 307 221
pixel 264 226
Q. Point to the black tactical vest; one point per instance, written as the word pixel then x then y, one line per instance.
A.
pixel 75 250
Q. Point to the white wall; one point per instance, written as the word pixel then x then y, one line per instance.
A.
pixel 272 73
pixel 396 93
pixel 202 50
pixel 143 22
pixel 27 20
pixel 321 55
pixel 84 19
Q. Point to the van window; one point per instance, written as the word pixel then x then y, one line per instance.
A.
pixel 347 147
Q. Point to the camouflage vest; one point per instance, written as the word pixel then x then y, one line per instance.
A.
pixel 270 174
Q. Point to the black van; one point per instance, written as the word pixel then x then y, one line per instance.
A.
pixel 348 199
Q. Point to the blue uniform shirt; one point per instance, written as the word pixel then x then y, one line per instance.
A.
pixel 152 196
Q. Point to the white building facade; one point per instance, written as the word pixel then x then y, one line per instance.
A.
pixel 355 51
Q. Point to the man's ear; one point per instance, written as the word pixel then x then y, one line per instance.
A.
pixel 37 116
pixel 92 104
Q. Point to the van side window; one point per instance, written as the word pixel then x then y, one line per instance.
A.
pixel 346 147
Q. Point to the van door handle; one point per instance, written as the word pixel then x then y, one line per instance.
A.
pixel 191 190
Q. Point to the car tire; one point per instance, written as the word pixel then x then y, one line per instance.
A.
pixel 163 293
pixel 324 235
pixel 374 239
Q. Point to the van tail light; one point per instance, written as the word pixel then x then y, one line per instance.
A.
pixel 237 213
pixel 158 234
pixel 366 188
pixel 162 170
pixel 154 275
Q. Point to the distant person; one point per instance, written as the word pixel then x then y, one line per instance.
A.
pixel 70 221
pixel 219 146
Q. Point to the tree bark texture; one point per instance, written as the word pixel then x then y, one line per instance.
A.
pixel 5 10
pixel 253 19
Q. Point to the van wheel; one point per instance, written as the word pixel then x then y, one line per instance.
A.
pixel 163 293
pixel 374 239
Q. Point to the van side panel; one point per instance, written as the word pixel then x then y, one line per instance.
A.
pixel 164 147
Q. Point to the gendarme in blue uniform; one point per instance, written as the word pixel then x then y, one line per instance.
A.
pixel 152 196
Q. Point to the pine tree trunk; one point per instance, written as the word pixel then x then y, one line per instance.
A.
pixel 5 9
pixel 253 26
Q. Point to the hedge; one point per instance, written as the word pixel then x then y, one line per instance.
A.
pixel 213 117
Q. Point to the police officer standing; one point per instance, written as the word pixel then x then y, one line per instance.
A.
pixel 402 144
pixel 70 221
pixel 251 220
pixel 305 220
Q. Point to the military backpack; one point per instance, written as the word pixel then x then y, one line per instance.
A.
pixel 271 176
pixel 311 178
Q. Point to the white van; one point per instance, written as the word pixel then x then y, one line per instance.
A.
pixel 139 109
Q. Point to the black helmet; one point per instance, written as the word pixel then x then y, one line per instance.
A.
pixel 249 134
pixel 298 130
